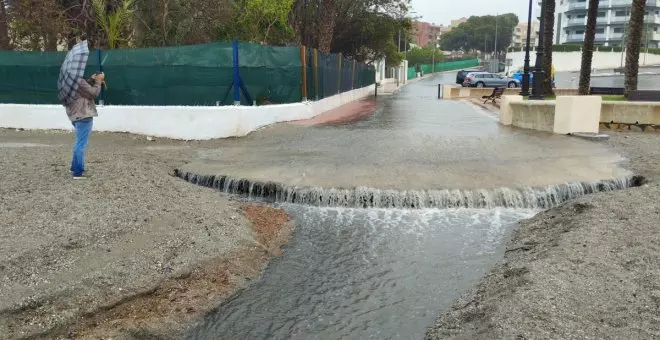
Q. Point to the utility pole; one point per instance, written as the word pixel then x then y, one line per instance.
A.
pixel 496 36
pixel 433 62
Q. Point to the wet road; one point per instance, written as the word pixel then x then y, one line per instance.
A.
pixel 649 79
pixel 415 141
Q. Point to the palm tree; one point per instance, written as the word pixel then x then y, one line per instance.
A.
pixel 548 41
pixel 114 23
pixel 588 49
pixel 634 44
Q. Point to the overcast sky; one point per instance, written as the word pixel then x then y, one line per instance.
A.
pixel 443 11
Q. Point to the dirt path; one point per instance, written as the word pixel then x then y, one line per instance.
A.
pixel 589 269
pixel 131 251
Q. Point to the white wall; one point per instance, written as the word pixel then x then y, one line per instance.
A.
pixel 571 61
pixel 177 122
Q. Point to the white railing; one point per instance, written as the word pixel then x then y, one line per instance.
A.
pixel 577 5
pixel 621 3
pixel 576 21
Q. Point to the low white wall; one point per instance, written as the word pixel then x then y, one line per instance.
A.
pixel 177 122
pixel 571 61
pixel 566 115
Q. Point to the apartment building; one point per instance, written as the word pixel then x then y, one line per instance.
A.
pixel 519 39
pixel 427 33
pixel 611 25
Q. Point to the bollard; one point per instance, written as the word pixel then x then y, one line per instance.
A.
pixel 439 91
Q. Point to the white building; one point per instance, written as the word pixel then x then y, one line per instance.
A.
pixel 611 25
pixel 519 38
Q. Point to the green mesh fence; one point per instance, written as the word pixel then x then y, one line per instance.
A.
pixel 184 75
pixel 442 67
pixel 412 72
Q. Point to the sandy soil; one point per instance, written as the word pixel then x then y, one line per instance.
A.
pixel 589 269
pixel 129 252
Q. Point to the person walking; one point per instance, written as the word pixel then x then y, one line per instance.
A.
pixel 81 112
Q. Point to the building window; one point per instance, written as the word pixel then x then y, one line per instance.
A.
pixel 581 16
pixel 601 14
pixel 620 13
pixel 580 32
pixel 618 29
pixel 600 31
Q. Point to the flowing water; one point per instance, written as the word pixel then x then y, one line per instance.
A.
pixel 362 197
pixel 366 263
pixel 365 274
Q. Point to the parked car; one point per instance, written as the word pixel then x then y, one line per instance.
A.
pixel 460 76
pixel 518 75
pixel 486 79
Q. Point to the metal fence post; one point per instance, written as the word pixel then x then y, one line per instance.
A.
pixel 100 69
pixel 237 77
pixel 353 76
pixel 316 74
pixel 340 65
pixel 303 60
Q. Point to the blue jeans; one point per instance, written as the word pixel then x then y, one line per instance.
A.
pixel 83 130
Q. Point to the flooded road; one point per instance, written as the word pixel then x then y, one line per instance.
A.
pixel 365 274
pixel 415 141
pixel 379 271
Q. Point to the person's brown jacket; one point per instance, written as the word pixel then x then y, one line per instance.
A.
pixel 83 106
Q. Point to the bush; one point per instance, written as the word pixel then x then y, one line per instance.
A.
pixel 567 48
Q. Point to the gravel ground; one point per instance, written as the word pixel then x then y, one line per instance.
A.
pixel 73 248
pixel 589 269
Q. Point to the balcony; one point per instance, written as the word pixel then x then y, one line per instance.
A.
pixel 619 20
pixel 616 36
pixel 576 22
pixel 577 5
pixel 574 38
pixel 623 3
pixel 602 21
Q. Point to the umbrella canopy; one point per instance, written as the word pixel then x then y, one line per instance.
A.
pixel 72 69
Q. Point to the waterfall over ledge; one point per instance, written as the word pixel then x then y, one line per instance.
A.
pixel 362 197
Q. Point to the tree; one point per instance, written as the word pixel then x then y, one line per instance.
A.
pixel 114 21
pixel 259 18
pixel 36 27
pixel 478 33
pixel 424 55
pixel 548 39
pixel 369 36
pixel 183 22
pixel 364 30
pixel 5 43
pixel 635 27
pixel 588 48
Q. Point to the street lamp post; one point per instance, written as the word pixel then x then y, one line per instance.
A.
pixel 525 82
pixel 539 74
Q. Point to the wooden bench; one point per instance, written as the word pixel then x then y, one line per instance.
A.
pixel 618 91
pixel 497 94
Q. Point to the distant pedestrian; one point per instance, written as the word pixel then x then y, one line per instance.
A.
pixel 81 111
